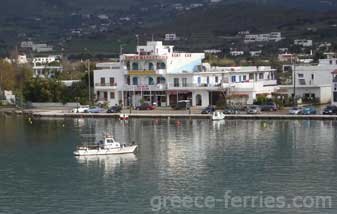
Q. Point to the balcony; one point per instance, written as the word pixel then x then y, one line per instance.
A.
pixel 105 85
pixel 141 72
pixel 158 87
pixel 194 86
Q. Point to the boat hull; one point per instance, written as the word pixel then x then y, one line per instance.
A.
pixel 124 150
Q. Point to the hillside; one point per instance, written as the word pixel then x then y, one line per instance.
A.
pixel 53 21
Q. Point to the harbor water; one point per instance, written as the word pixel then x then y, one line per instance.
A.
pixel 190 166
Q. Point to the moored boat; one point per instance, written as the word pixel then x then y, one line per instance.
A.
pixel 218 116
pixel 107 146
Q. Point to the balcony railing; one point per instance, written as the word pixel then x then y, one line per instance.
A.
pixel 106 84
pixel 157 87
pixel 194 85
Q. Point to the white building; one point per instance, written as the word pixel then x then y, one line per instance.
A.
pixel 334 87
pixel 39 48
pixel 157 74
pixel 303 42
pixel 45 60
pixel 109 80
pixel 312 81
pixel 267 37
pixel 236 53
pixel 43 68
pixel 171 37
pixel 22 59
pixel 255 53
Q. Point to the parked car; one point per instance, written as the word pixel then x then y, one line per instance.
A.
pixel 114 109
pixel 145 106
pixel 253 109
pixel 182 105
pixel 330 110
pixel 208 110
pixel 309 110
pixel 80 109
pixel 95 109
pixel 296 111
pixel 269 107
pixel 231 111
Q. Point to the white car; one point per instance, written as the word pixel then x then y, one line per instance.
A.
pixel 296 111
pixel 80 109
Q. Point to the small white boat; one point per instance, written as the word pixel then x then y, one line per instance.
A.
pixel 218 115
pixel 123 117
pixel 108 146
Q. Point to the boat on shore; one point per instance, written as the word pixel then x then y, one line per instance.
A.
pixel 107 146
pixel 218 116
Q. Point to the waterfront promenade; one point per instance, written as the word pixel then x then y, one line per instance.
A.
pixel 167 113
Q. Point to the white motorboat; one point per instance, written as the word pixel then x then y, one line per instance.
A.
pixel 108 146
pixel 123 117
pixel 218 115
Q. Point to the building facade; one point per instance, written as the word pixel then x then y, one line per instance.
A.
pixel 157 74
pixel 109 80
pixel 313 82
pixel 47 67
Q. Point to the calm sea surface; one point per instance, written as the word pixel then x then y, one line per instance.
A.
pixel 186 168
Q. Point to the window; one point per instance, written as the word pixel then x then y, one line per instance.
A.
pixel 300 75
pixel 251 76
pixel 103 81
pixel 261 76
pixel 184 82
pixel 161 65
pixel 330 62
pixel 128 65
pixel 112 81
pixel 151 66
pixel 302 81
pixel 112 95
pixel 176 82
pixel 135 81
pixel 207 80
pixel 134 66
pixel 335 96
pixel 151 81
pixel 199 80
pixel 105 95
pixel 312 76
pixel 161 80
pixel 233 78
pixel 244 77
pixel 216 79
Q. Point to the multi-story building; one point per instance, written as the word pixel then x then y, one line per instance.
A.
pixel 46 66
pixel 313 82
pixel 303 42
pixel 109 80
pixel 171 37
pixel 267 37
pixel 157 74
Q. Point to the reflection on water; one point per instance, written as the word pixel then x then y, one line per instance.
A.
pixel 108 163
pixel 39 174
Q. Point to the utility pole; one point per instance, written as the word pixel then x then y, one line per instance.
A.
pixel 294 80
pixel 89 81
